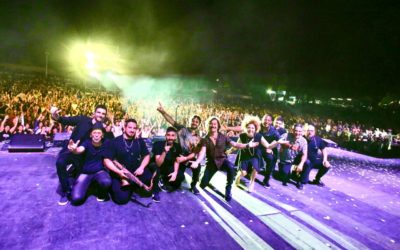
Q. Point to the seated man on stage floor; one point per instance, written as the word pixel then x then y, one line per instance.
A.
pixel 93 169
pixel 128 157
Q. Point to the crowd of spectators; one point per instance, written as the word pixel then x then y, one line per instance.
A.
pixel 25 104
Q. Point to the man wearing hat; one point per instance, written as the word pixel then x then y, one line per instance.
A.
pixel 93 169
pixel 83 125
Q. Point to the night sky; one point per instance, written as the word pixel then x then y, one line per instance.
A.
pixel 318 46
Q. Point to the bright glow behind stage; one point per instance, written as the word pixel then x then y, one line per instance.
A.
pixel 91 59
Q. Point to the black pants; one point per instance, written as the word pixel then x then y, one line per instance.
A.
pixel 166 170
pixel 123 196
pixel 63 160
pixel 195 173
pixel 82 183
pixel 322 170
pixel 210 170
pixel 270 161
pixel 285 171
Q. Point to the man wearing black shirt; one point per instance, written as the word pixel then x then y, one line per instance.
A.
pixel 188 140
pixel 279 124
pixel 166 154
pixel 83 126
pixel 131 153
pixel 270 156
pixel 93 169
pixel 315 143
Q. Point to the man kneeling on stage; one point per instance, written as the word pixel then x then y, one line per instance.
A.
pixel 165 154
pixel 93 168
pixel 128 158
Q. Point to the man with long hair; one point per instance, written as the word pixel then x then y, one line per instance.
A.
pixel 213 147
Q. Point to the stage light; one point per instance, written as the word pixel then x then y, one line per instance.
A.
pixel 89 55
pixel 86 57
pixel 94 74
pixel 270 92
pixel 90 65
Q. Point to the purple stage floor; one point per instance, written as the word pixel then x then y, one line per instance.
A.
pixel 359 208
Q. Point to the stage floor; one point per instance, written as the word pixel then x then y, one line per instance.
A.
pixel 358 208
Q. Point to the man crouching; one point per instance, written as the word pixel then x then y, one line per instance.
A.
pixel 128 157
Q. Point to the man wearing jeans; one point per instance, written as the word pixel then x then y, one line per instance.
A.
pixel 293 152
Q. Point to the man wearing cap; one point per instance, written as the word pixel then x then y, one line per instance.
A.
pixel 83 125
pixel 93 169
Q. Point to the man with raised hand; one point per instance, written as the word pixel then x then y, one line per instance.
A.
pixel 213 147
pixel 83 125
pixel 93 169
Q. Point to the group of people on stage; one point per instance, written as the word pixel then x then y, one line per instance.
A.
pixel 123 167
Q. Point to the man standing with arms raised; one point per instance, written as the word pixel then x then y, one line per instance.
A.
pixel 195 121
